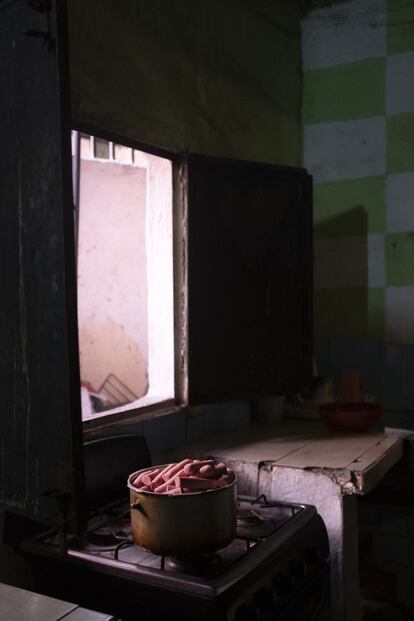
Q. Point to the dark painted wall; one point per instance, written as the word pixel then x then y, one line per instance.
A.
pixel 220 77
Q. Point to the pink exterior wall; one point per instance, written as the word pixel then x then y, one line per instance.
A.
pixel 112 279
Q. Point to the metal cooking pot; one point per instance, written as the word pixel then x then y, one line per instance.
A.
pixel 197 523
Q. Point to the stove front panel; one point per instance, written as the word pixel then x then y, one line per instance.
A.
pixel 294 581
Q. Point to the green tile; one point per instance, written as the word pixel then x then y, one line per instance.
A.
pixel 400 27
pixel 400 143
pixel 399 259
pixel 344 92
pixel 350 207
pixel 350 313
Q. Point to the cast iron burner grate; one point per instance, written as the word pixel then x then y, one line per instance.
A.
pixel 110 531
pixel 197 565
pixel 109 535
pixel 251 525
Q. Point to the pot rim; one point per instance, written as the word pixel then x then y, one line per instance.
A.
pixel 167 495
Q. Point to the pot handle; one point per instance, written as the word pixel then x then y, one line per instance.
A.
pixel 136 505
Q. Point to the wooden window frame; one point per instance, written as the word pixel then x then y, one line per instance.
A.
pixel 110 422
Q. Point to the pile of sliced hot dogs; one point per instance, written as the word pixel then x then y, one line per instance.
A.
pixel 186 477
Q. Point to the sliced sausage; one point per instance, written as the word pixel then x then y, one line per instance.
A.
pixel 195 484
pixel 220 469
pixel 175 469
pixel 171 489
pixel 159 478
pixel 206 472
pixel 160 489
pixel 196 464
pixel 148 477
pixel 225 479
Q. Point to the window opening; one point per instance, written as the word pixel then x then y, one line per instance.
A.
pixel 125 276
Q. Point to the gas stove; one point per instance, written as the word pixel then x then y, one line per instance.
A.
pixel 275 568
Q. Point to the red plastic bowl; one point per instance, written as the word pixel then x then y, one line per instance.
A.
pixel 350 416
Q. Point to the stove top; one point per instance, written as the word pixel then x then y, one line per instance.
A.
pixel 109 536
pixel 280 548
pixel 262 526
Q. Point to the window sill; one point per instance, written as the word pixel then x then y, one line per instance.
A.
pixel 94 427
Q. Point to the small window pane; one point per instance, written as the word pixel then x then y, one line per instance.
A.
pixel 101 149
pixel 125 281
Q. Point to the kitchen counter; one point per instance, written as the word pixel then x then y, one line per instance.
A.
pixel 356 461
pixel 301 461
pixel 18 604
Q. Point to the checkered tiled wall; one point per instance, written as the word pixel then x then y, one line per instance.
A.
pixel 359 145
pixel 358 61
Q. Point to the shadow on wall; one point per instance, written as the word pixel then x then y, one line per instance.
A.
pixel 349 312
pixel 343 300
pixel 354 219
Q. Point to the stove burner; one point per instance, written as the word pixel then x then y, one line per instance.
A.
pixel 105 536
pixel 251 525
pixel 112 531
pixel 197 565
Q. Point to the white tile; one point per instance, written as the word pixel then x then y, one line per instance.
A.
pixel 345 150
pixel 353 261
pixel 400 83
pixel 399 203
pixel 344 33
pixel 399 313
